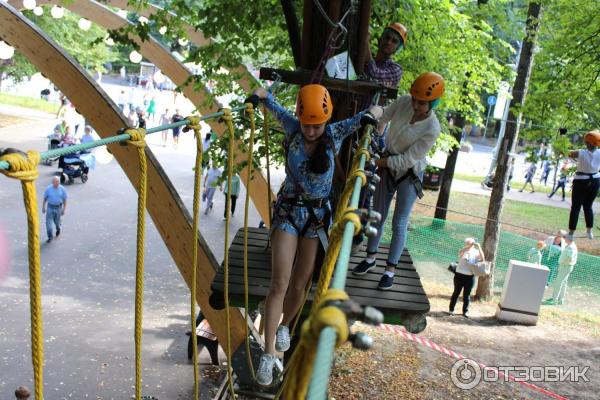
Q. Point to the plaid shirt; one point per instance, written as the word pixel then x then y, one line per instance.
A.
pixel 386 72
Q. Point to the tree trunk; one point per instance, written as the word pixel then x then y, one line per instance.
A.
pixel 492 226
pixel 441 208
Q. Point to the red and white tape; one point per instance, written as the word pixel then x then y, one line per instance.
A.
pixel 401 331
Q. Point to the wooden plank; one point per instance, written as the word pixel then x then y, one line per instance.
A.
pixel 302 77
pixel 164 204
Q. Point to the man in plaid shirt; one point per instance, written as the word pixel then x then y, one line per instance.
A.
pixel 382 69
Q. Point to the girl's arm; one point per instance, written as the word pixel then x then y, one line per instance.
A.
pixel 338 131
pixel 289 123
pixel 481 255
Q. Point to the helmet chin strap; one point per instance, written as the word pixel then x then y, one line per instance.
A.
pixel 433 104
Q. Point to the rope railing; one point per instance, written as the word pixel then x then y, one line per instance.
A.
pixel 317 388
pixel 118 138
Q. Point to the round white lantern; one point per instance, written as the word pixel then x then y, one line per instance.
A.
pixel 57 12
pixel 39 11
pixel 135 57
pixel 6 51
pixel 29 4
pixel 84 24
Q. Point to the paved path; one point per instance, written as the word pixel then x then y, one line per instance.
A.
pixel 88 284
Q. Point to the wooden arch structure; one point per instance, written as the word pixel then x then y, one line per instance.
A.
pixel 164 205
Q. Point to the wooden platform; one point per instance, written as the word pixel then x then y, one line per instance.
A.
pixel 406 296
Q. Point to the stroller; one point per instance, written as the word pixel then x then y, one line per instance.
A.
pixel 73 167
pixel 53 143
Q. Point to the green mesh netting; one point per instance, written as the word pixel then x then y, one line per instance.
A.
pixel 438 241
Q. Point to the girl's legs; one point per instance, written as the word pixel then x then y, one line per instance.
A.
pixel 233 201
pixel 381 203
pixel 301 274
pixel 284 247
pixel 406 195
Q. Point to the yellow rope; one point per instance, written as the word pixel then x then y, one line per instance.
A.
pixel 250 111
pixel 228 121
pixel 24 168
pixel 138 140
pixel 194 124
pixel 300 366
pixel 266 133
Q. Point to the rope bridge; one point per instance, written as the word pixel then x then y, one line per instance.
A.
pixel 327 326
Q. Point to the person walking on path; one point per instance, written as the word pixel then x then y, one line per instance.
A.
pixel 165 119
pixel 55 197
pixel 547 168
pixel 176 118
pixel 529 176
pixel 413 130
pixel 464 279
pixel 235 192
pixel 121 101
pixel 561 183
pixel 568 259
pixel 211 181
pixel 586 182
pixel 151 110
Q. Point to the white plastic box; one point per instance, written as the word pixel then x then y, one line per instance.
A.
pixel 523 291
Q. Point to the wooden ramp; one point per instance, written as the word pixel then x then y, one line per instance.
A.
pixel 406 296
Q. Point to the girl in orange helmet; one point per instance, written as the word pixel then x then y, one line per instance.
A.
pixel 586 182
pixel 413 130
pixel 301 209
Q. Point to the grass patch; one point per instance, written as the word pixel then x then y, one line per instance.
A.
pixel 28 102
pixel 515 184
pixel 527 215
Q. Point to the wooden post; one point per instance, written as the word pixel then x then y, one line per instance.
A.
pixel 492 226
pixel 291 20
pixel 444 195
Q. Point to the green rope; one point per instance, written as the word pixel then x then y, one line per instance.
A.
pixel 116 139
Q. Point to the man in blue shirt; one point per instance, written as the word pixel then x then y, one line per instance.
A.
pixel 55 196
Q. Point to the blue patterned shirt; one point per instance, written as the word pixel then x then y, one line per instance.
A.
pixel 315 186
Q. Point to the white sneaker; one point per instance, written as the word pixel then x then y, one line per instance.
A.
pixel 590 235
pixel 264 374
pixel 282 338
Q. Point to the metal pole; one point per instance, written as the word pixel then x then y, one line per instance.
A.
pixel 487 120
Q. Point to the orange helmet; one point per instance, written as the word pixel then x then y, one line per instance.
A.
pixel 313 106
pixel 428 87
pixel 593 138
pixel 399 29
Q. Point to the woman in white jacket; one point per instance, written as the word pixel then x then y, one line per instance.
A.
pixel 413 130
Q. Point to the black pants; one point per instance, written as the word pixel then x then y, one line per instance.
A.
pixel 559 185
pixel 233 200
pixel 584 193
pixel 465 283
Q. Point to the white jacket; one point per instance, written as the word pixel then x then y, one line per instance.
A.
pixel 408 143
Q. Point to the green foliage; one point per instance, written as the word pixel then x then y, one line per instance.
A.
pixel 565 86
pixel 81 45
pixel 17 68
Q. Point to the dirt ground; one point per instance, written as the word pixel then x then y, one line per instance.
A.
pixel 7 120
pixel 399 369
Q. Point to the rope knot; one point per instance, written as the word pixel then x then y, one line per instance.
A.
pixel 350 215
pixel 23 166
pixel 328 316
pixel 362 151
pixel 249 108
pixel 193 124
pixel 226 114
pixel 138 137
pixel 357 173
